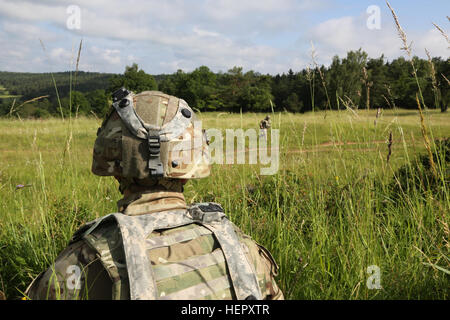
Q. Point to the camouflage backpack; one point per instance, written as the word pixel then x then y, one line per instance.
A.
pixel 124 253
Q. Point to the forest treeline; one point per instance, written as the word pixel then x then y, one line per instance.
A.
pixel 355 81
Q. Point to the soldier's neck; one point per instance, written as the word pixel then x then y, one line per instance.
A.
pixel 140 201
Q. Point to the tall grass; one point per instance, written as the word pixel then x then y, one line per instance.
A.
pixel 326 216
pixel 343 200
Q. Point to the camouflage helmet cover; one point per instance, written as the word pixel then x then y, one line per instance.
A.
pixel 125 150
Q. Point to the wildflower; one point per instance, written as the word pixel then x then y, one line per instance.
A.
pixel 20 186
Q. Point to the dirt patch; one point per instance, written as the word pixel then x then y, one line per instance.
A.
pixel 340 143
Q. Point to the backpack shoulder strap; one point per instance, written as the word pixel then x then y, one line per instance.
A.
pixel 243 275
pixel 134 231
pixel 106 239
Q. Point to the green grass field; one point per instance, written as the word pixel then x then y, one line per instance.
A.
pixel 327 215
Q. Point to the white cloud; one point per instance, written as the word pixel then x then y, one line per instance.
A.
pixel 204 33
pixel 338 36
pixel 214 33
pixel 434 42
pixel 163 36
pixel 110 56
pixel 60 54
pixel 30 11
pixel 230 9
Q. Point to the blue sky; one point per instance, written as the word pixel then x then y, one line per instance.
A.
pixel 268 36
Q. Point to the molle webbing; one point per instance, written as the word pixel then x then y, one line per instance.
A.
pixel 199 290
pixel 137 241
pixel 199 262
pixel 167 241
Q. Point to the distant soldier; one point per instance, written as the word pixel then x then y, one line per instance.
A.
pixel 379 110
pixel 264 125
pixel 157 247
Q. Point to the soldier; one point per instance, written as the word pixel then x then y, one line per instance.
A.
pixel 157 247
pixel 264 125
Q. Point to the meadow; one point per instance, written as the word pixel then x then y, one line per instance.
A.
pixel 336 206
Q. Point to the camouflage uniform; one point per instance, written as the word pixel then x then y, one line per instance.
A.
pixel 188 260
pixel 264 125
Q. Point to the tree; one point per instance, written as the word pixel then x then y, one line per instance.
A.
pixel 293 103
pixel 99 102
pixel 352 73
pixel 80 105
pixel 203 88
pixel 442 68
pixel 133 79
pixel 377 77
pixel 247 92
pixel 355 77
pixel 402 83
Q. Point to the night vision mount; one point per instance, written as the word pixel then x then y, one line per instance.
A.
pixel 123 103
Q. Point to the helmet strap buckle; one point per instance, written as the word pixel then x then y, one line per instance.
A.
pixel 154 163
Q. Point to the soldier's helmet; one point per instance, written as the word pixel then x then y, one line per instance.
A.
pixel 150 135
pixel 267 117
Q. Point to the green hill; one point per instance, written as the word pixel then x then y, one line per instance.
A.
pixel 352 82
pixel 31 85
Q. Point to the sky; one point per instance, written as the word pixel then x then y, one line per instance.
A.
pixel 267 36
